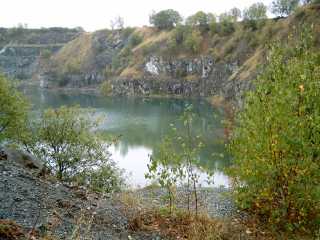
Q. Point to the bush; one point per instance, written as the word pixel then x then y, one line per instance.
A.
pixel 46 53
pixel 13 111
pixel 135 39
pixel 106 88
pixel 193 41
pixel 276 143
pixel 65 139
pixel 226 24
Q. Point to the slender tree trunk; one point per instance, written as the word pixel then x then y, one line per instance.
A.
pixel 195 196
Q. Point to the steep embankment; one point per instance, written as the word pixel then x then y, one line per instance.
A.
pixel 144 61
pixel 22 51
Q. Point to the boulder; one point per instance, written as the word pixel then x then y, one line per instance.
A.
pixel 24 159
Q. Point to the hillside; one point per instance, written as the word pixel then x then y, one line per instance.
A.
pixel 144 61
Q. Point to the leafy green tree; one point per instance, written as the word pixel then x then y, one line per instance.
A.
pixel 276 142
pixel 13 111
pixel 180 33
pixel 255 15
pixel 200 19
pixel 213 26
pixel 165 19
pixel 67 142
pixel 257 11
pixel 226 24
pixel 284 7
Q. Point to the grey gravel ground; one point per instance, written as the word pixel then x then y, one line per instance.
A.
pixel 55 208
pixel 211 200
pixel 64 211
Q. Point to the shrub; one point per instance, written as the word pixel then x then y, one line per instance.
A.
pixel 65 139
pixel 46 53
pixel 13 111
pixel 276 143
pixel 226 24
pixel 193 41
pixel 135 39
pixel 106 88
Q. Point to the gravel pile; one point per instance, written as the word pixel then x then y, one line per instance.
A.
pixel 61 210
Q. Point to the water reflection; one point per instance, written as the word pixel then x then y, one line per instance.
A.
pixel 142 122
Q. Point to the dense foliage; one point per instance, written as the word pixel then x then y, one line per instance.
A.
pixel 67 141
pixel 284 7
pixel 276 144
pixel 13 111
pixel 165 19
pixel 256 11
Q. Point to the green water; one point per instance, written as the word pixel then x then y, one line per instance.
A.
pixel 142 122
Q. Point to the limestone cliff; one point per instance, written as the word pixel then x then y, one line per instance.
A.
pixel 23 50
pixel 141 61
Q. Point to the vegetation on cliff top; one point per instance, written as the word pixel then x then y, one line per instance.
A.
pixel 224 38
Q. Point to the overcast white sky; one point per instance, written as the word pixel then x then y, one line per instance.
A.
pixel 96 14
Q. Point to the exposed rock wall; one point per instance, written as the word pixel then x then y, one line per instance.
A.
pixel 187 77
pixel 21 49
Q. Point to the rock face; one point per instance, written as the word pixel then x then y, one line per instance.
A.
pixel 21 50
pixel 187 77
pixel 23 158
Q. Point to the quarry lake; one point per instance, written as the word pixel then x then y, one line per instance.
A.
pixel 141 123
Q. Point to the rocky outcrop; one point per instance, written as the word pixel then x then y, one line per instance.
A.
pixel 22 50
pixel 187 77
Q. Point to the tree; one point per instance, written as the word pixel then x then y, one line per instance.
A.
pixel 13 111
pixel 276 142
pixel 200 19
pixel 212 23
pixel 67 142
pixel 177 159
pixel 284 7
pixel 226 24
pixel 166 168
pixel 165 19
pixel 117 23
pixel 255 15
pixel 235 13
pixel 257 11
